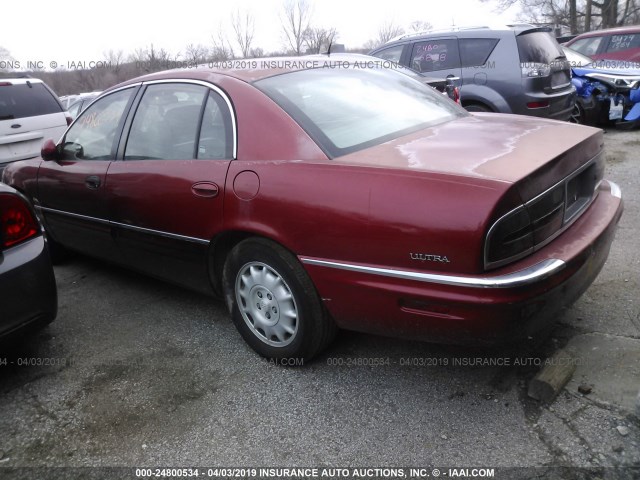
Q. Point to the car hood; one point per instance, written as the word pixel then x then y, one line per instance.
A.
pixel 608 67
pixel 496 147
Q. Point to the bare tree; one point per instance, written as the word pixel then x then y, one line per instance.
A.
pixel 4 54
pixel 419 26
pixel 115 59
pixel 244 29
pixel 6 58
pixel 587 16
pixel 196 54
pixel 578 15
pixel 386 32
pixel 222 49
pixel 257 52
pixel 296 19
pixel 152 59
pixel 316 38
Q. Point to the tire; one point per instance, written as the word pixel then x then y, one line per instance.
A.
pixel 626 126
pixel 476 107
pixel 577 115
pixel 273 302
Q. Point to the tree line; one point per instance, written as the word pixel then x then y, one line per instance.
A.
pixel 301 36
pixel 578 16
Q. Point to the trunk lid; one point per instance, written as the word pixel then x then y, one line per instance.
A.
pixel 535 153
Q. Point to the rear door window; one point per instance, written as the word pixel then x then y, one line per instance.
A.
pixel 620 43
pixel 434 55
pixel 26 100
pixel 167 122
pixel 475 51
pixel 216 135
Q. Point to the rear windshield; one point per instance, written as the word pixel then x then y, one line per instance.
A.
pixel 348 109
pixel 26 100
pixel 538 47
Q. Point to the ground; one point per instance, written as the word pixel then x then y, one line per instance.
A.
pixel 139 373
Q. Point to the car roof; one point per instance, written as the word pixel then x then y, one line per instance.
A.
pixel 20 81
pixel 513 29
pixel 596 33
pixel 252 70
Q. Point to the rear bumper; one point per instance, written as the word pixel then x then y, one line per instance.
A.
pixel 558 105
pixel 516 302
pixel 28 292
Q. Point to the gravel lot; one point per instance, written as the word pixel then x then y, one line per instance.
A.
pixel 141 373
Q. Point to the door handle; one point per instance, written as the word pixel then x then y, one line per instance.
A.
pixel 205 189
pixel 92 182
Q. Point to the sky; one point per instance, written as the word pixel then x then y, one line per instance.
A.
pixel 77 30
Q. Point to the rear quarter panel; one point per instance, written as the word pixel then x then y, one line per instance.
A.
pixel 366 215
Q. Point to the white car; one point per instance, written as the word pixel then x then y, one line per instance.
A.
pixel 29 114
pixel 80 103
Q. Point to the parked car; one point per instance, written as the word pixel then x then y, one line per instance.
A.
pixel 621 43
pixel 27 285
pixel 82 102
pixel 448 86
pixel 68 100
pixel 29 113
pixel 310 196
pixel 519 69
pixel 607 91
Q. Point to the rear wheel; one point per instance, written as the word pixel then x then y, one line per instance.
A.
pixel 577 114
pixel 273 302
pixel 477 107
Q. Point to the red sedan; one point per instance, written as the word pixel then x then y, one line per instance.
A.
pixel 311 195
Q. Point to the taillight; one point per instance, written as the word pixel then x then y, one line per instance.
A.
pixel 532 225
pixel 456 94
pixel 535 69
pixel 17 223
pixel 509 238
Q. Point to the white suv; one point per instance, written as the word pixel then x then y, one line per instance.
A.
pixel 29 114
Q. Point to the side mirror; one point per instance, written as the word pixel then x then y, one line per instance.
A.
pixel 49 151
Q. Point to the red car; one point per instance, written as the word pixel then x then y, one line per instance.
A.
pixel 312 195
pixel 622 43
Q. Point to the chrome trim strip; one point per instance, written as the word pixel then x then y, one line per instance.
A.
pixel 74 215
pixel 521 278
pixel 616 191
pixel 161 233
pixel 216 89
pixel 124 225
